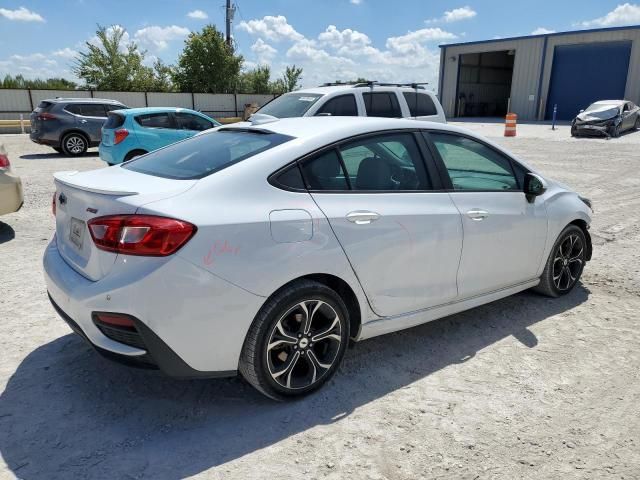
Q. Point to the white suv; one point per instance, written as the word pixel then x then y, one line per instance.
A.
pixel 370 99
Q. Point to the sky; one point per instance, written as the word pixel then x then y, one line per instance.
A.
pixel 330 39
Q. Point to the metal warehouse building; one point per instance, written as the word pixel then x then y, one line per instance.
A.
pixel 534 73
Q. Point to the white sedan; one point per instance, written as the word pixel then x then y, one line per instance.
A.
pixel 262 248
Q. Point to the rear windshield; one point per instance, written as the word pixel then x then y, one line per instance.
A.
pixel 290 105
pixel 115 120
pixel 44 105
pixel 203 155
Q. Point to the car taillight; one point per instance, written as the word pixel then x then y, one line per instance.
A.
pixel 146 235
pixel 46 116
pixel 53 204
pixel 4 162
pixel 120 135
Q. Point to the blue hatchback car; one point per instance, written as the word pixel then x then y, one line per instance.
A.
pixel 136 131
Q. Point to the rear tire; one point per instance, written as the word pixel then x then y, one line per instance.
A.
pixel 638 122
pixel 74 144
pixel 296 342
pixel 565 263
pixel 133 154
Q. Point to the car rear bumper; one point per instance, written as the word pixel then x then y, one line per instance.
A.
pixel 189 323
pixel 108 154
pixel 11 197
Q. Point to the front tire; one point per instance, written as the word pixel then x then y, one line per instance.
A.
pixel 296 342
pixel 574 131
pixel 565 263
pixel 74 144
pixel 638 123
pixel 614 132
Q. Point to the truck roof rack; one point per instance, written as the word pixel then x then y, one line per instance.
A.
pixel 375 83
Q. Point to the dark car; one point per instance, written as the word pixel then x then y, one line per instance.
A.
pixel 71 125
pixel 606 117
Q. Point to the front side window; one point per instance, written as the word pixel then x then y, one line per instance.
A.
pixel 93 110
pixel 382 104
pixel 389 162
pixel 472 165
pixel 205 154
pixel 188 121
pixel 341 106
pixel 290 105
pixel 154 120
pixel 420 104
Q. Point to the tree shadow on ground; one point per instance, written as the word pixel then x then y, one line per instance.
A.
pixel 68 413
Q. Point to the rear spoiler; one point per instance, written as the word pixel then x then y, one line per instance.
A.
pixel 66 178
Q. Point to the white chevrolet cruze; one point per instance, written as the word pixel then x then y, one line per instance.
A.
pixel 265 247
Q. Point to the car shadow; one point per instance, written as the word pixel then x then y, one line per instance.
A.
pixel 54 155
pixel 68 413
pixel 7 233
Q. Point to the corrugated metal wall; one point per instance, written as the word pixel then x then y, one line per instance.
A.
pixel 526 68
pixel 13 102
pixel 633 78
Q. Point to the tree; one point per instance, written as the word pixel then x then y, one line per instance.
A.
pixel 207 64
pixel 290 78
pixel 20 82
pixel 113 63
pixel 255 81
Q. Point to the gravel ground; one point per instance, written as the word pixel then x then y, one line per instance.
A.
pixel 526 387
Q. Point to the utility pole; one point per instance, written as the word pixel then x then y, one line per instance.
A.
pixel 230 11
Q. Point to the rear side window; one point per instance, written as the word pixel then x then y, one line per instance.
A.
pixel 420 104
pixel 189 121
pixel 110 107
pixel 382 104
pixel 73 108
pixel 203 155
pixel 92 110
pixel 114 121
pixel 341 106
pixel 154 120
pixel 44 105
pixel 324 172
pixel 290 105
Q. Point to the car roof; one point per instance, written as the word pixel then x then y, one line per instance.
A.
pixel 324 90
pixel 82 100
pixel 340 127
pixel 141 110
pixel 609 102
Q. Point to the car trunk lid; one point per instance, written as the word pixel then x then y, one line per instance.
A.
pixel 82 196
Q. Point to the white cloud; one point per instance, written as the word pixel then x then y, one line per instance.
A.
pixel 356 2
pixel 198 14
pixel 625 14
pixel 272 28
pixel 21 14
pixel 35 65
pixel 65 53
pixel 542 31
pixel 263 51
pixel 347 42
pixel 412 42
pixel 158 38
pixel 455 15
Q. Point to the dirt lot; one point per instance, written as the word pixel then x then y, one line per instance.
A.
pixel 527 387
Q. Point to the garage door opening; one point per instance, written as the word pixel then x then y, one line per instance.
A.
pixel 484 84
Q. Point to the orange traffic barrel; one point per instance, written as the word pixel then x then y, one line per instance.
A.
pixel 510 125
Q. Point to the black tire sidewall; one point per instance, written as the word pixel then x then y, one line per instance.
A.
pixel 571 229
pixel 67 137
pixel 319 292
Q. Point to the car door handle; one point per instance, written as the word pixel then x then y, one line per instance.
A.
pixel 362 217
pixel 477 215
pixel 83 121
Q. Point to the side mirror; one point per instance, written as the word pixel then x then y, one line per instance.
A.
pixel 534 186
pixel 581 111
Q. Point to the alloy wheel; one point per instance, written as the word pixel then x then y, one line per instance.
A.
pixel 304 344
pixel 568 262
pixel 75 144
